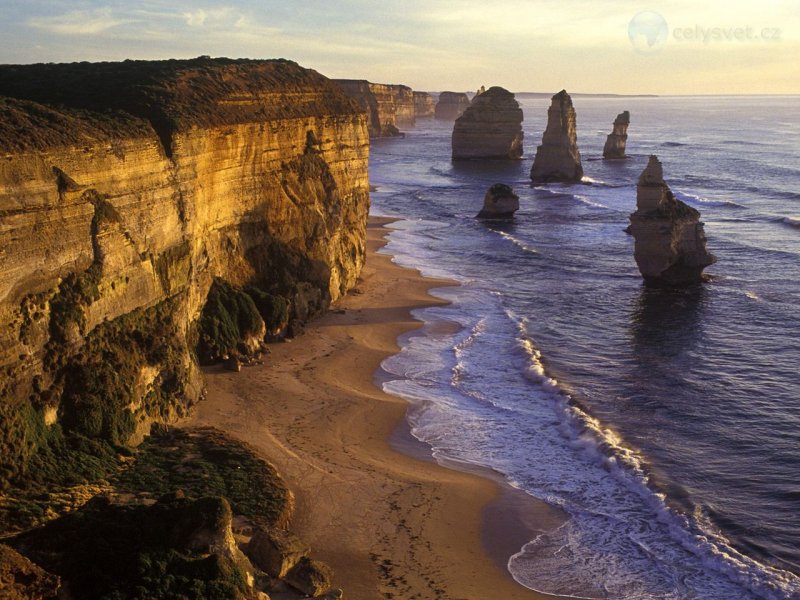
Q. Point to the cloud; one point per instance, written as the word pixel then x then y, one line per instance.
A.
pixel 198 17
pixel 78 22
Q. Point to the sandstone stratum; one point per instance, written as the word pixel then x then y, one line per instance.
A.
pixel 424 106
pixel 130 191
pixel 451 105
pixel 389 107
pixel 670 245
pixel 558 158
pixel 616 140
pixel 491 127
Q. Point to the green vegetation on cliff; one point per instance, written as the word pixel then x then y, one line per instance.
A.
pixel 121 545
pixel 232 315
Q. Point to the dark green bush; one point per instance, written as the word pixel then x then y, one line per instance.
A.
pixel 229 316
pixel 273 309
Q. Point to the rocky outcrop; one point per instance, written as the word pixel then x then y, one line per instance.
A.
pixel 615 142
pixel 124 195
pixel 558 158
pixel 491 127
pixel 311 577
pixel 275 551
pixel 423 105
pixel 20 579
pixel 388 107
pixel 670 245
pixel 500 202
pixel 451 105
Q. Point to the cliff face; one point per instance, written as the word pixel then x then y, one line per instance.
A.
pixel 670 245
pixel 423 105
pixel 451 105
pixel 491 127
pixel 118 212
pixel 388 107
pixel 557 158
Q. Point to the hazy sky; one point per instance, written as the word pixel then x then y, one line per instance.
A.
pixel 524 45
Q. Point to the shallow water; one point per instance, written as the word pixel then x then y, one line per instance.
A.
pixel 666 424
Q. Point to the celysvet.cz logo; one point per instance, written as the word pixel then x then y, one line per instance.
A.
pixel 649 33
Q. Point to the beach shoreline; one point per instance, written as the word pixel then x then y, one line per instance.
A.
pixel 371 501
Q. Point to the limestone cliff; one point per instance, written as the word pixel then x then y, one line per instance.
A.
pixel 423 105
pixel 491 127
pixel 388 107
pixel 557 158
pixel 616 140
pixel 670 241
pixel 451 105
pixel 118 210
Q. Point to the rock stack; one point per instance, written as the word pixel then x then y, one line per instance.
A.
pixel 451 105
pixel 491 127
pixel 423 105
pixel 615 142
pixel 558 158
pixel 500 202
pixel 670 241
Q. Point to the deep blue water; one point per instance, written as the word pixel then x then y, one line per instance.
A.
pixel 666 424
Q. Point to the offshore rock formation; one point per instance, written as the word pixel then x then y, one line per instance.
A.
pixel 491 127
pixel 423 105
pixel 451 105
pixel 670 241
pixel 615 142
pixel 122 206
pixel 388 107
pixel 500 202
pixel 558 158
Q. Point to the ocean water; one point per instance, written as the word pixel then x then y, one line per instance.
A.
pixel 665 424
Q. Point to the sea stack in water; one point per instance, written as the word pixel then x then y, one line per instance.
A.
pixel 615 142
pixel 490 128
pixel 423 105
pixel 558 159
pixel 451 105
pixel 670 240
pixel 500 202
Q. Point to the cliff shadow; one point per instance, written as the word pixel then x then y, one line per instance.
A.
pixel 491 171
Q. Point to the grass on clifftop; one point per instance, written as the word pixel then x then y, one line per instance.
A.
pixel 205 462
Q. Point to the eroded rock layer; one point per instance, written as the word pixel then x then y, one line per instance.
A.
pixel 557 158
pixel 388 107
pixel 491 127
pixel 670 245
pixel 423 105
pixel 616 140
pixel 120 208
pixel 451 105
pixel 500 202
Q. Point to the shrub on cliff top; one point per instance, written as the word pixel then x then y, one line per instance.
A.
pixel 142 552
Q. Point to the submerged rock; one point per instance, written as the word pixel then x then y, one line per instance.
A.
pixel 558 158
pixel 491 127
pixel 615 142
pixel 500 202
pixel 451 105
pixel 670 245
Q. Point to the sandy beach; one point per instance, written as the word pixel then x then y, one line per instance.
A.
pixel 370 500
